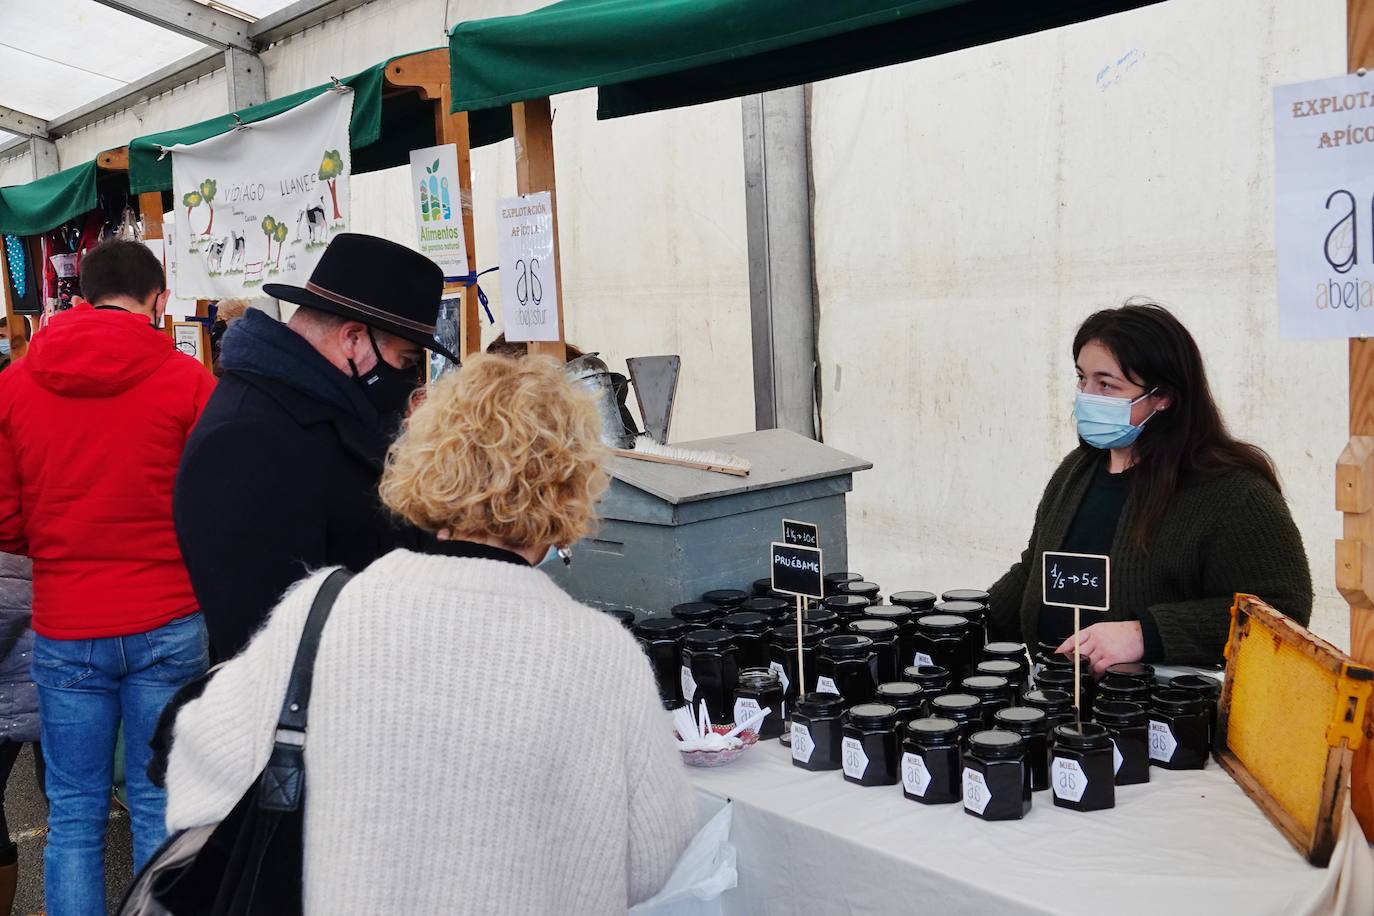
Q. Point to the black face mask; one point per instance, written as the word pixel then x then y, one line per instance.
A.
pixel 387 388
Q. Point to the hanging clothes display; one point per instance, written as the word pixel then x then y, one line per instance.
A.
pixel 62 250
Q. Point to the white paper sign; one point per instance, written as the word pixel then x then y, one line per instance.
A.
pixel 1324 207
pixel 529 286
pixel 439 208
pixel 259 205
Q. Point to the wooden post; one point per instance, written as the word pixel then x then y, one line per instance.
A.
pixel 19 344
pixel 533 123
pixel 428 72
pixel 1354 476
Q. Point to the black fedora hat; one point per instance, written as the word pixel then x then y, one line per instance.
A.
pixel 378 282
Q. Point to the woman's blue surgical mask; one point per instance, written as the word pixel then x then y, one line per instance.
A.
pixel 1105 422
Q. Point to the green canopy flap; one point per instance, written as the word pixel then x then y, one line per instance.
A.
pixel 383 130
pixel 648 55
pixel 36 207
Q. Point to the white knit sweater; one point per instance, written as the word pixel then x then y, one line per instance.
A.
pixel 478 743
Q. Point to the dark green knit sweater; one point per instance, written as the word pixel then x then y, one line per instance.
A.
pixel 1220 536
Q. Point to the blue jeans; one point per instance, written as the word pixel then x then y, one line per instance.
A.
pixel 86 687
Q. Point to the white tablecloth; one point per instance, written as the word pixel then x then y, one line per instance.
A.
pixel 1189 842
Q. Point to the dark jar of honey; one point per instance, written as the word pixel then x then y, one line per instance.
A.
pixel 994 781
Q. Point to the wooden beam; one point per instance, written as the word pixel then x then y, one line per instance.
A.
pixel 1360 53
pixel 114 160
pixel 150 208
pixel 533 123
pixel 428 73
pixel 19 344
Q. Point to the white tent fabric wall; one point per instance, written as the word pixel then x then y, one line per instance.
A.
pixel 973 209
pixel 651 213
pixel 187 104
pixel 17 168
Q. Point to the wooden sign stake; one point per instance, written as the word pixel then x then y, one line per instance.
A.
pixel 801 663
pixel 1077 675
pixel 1355 554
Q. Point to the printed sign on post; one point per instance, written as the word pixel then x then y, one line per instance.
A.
pixel 797 570
pixel 439 208
pixel 1324 191
pixel 803 534
pixel 1078 580
pixel 191 338
pixel 529 286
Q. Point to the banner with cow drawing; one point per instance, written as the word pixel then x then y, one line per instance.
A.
pixel 260 203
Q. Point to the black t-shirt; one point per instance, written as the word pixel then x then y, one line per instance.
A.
pixel 1092 531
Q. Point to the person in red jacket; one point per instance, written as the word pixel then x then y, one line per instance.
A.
pixel 92 426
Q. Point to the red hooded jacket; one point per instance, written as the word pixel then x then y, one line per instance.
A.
pixel 92 425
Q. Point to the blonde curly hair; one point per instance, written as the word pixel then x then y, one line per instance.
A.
pixel 502 449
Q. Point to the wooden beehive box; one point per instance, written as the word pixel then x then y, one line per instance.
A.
pixel 1291 713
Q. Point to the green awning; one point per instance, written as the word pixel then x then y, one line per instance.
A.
pixel 647 55
pixel 36 207
pixel 383 130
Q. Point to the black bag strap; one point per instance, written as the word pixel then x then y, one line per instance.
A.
pixel 282 785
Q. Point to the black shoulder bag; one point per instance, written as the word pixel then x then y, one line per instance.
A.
pixel 250 862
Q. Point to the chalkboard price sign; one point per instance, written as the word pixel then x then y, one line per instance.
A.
pixel 1080 580
pixel 797 570
pixel 801 534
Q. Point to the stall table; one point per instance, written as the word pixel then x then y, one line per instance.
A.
pixel 1186 843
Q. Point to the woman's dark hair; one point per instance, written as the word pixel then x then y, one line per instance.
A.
pixel 120 267
pixel 1189 439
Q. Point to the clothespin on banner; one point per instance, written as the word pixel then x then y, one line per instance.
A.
pixel 336 85
pixel 238 122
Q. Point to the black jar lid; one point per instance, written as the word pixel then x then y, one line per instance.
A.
pixel 626 618
pixel 902 694
pixel 916 600
pixel 819 705
pixel 1001 667
pixel 967 594
pixel 1013 651
pixel 725 597
pixel 1119 688
pixel 985 685
pixel 835 578
pixel 902 616
pixel 747 622
pixel 786 635
pixel 1200 684
pixel 821 617
pixel 1060 679
pixel 1048 699
pixel 762 586
pixel 875 629
pixel 1120 713
pixel 1024 720
pixel 773 607
pixel 929 677
pixel 697 611
pixel 846 605
pixel 660 628
pixel 846 645
pixel 708 640
pixel 1179 702
pixel 956 705
pixel 971 610
pixel 874 714
pixel 943 624
pixel 760 679
pixel 1056 662
pixel 858 587
pixel 1133 671
pixel 933 730
pixel 1083 736
pixel 996 743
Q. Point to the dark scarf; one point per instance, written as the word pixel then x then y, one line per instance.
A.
pixel 261 345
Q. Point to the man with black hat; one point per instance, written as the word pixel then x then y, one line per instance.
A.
pixel 280 475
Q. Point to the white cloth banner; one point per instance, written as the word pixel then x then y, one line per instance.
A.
pixel 261 203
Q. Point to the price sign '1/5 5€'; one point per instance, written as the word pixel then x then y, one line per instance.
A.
pixel 1076 580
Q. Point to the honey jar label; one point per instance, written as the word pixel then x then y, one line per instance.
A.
pixel 1116 758
pixel 854 759
pixel 802 745
pixel 1068 779
pixel 976 794
pixel 781 672
pixel 923 659
pixel 745 707
pixel 1162 742
pixel 915 776
pixel 689 684
pixel 826 685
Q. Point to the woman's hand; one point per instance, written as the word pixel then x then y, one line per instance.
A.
pixel 1104 644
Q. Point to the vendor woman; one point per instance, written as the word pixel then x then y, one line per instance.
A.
pixel 1189 515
